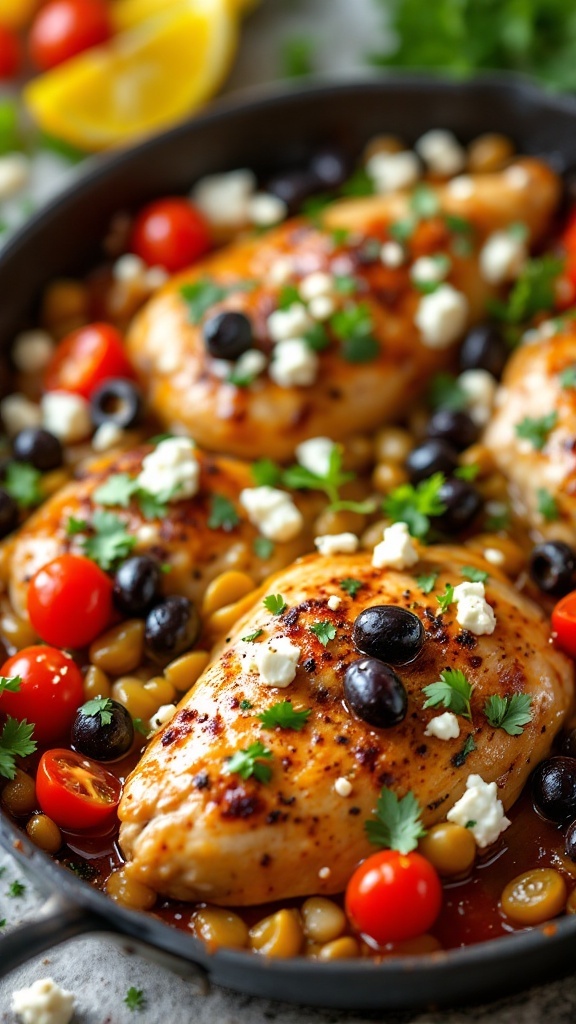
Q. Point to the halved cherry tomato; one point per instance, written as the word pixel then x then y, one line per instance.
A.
pixel 63 28
pixel 170 233
pixel 393 896
pixel 75 792
pixel 564 624
pixel 86 358
pixel 70 601
pixel 50 692
pixel 10 53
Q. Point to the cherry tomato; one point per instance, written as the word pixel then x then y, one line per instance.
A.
pixel 393 896
pixel 75 792
pixel 86 358
pixel 564 624
pixel 50 692
pixel 63 28
pixel 10 53
pixel 70 601
pixel 170 233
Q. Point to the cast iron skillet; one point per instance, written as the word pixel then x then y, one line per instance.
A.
pixel 273 132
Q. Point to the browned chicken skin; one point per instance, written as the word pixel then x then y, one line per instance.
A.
pixel 268 420
pixel 191 831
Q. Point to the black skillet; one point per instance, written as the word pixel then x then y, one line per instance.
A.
pixel 272 132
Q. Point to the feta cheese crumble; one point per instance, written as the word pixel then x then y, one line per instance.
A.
pixel 284 324
pixel 343 786
pixel 276 660
pixel 334 602
pixel 32 351
pixel 393 171
pixel 321 307
pixel 273 512
pixel 65 415
pixel 441 316
pixel 294 364
pixel 494 556
pixel 107 436
pixel 443 727
pixel 44 1002
pixel 461 187
pixel 392 254
pixel 315 285
pixel 441 152
pixel 480 806
pixel 315 454
pixel 129 269
pixel 502 257
pixel 337 543
pixel 164 715
pixel 223 198
pixel 472 609
pixel 396 550
pixel 479 388
pixel 172 468
pixel 430 269
pixel 249 365
pixel 264 210
pixel 18 412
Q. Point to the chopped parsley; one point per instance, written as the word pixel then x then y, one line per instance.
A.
pixel 288 296
pixel 452 690
pixel 201 295
pixel 15 741
pixel 120 488
pixel 498 517
pixel 135 998
pixel 402 230
pixel 427 582
pixel 299 478
pixel 397 824
pixel 446 599
pixel 469 572
pixel 99 706
pixel 263 547
pixel 23 483
pixel 532 293
pixel 265 473
pixel 568 377
pixel 11 684
pixel 110 541
pixel 468 472
pixel 345 284
pixel 223 515
pixel 536 429
pixel 350 586
pixel 509 713
pixel 297 55
pixel 252 761
pixel 547 505
pixel 74 526
pixel 16 889
pixel 354 327
pixel 424 202
pixel 444 392
pixel 316 337
pixel 275 603
pixel 140 727
pixel 415 505
pixel 358 184
pixel 460 758
pixel 284 716
pixel 325 631
pixel 251 637
pixel 246 705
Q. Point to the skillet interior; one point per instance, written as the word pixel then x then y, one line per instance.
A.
pixel 271 132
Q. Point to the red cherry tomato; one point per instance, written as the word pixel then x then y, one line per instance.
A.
pixel 70 601
pixel 170 233
pixel 564 624
pixel 50 692
pixel 86 358
pixel 75 792
pixel 10 53
pixel 63 28
pixel 393 896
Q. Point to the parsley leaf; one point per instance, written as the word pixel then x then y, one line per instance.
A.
pixel 275 603
pixel 283 716
pixel 398 824
pixel 345 284
pixel 101 706
pixel 415 505
pixel 263 547
pixel 424 201
pixel 354 326
pixel 547 505
pixel 325 631
pixel 74 526
pixel 568 377
pixel 15 741
pixel 297 57
pixel 251 637
pixel 536 430
pixel 350 586
pixel 118 489
pixel 110 541
pixel 446 599
pixel 246 705
pixel 358 184
pixel 299 478
pixel 223 515
pixel 266 473
pixel 509 713
pixel 469 572
pixel 201 295
pixel 23 484
pixel 16 889
pixel 316 337
pixel 135 998
pixel 10 683
pixel 460 758
pixel 468 472
pixel 498 517
pixel 445 392
pixel 452 690
pixel 251 761
pixel 427 582
pixel 533 291
pixel 140 727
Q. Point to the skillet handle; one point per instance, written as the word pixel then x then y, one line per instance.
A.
pixel 58 921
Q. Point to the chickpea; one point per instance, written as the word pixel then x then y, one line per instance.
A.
pixel 416 947
pixel 119 650
pixel 502 552
pixel 131 693
pixel 219 927
pixel 18 632
pixel 571 904
pixel 44 833
pixel 96 683
pixel 393 445
pixel 323 919
pixel 489 152
pixel 535 896
pixel 385 143
pixel 19 794
pixel 387 476
pixel 338 521
pixel 183 672
pixel 450 848
pixel 226 589
pixel 358 453
pixel 126 890
pixel 340 949
pixel 161 690
pixel 279 935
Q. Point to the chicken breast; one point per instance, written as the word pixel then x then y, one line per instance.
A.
pixel 194 831
pixel 349 384
pixel 532 434
pixel 186 537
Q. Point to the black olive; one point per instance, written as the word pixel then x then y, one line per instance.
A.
pixel 172 627
pixel 138 585
pixel 228 335
pixel 484 348
pixel 453 426
pixel 433 456
pixel 389 633
pixel 570 841
pixel 376 693
pixel 329 167
pixel 38 447
pixel 552 567
pixel 9 513
pixel 554 789
pixel 106 735
pixel 117 401
pixel 462 502
pixel 293 187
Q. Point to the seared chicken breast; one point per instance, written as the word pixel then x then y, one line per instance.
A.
pixel 194 829
pixel 376 338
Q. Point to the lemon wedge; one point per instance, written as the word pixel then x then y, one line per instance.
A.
pixel 17 13
pixel 128 13
pixel 142 81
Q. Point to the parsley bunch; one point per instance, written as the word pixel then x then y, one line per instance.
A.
pixel 397 824
pixel 15 741
pixel 267 473
pixel 416 505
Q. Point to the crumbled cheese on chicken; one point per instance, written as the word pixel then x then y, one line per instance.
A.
pixel 392 254
pixel 441 316
pixel 343 786
pixel 337 543
pixel 393 171
pixel 481 810
pixel 462 187
pixel 265 210
pixel 129 269
pixel 441 152
pixel 479 388
pixel 164 715
pixel 273 512
pixel 44 1002
pixel 315 454
pixel 172 468
pixel 32 351
pixel 324 873
pixel 276 660
pixel 284 324
pixel 518 177
pixel 18 412
pixel 65 415
pixel 429 269
pixel 249 365
pixel 223 198
pixel 502 257
pixel 494 556
pixel 443 727
pixel 294 364
pixel 472 609
pixel 321 307
pixel 318 283
pixel 334 602
pixel 396 550
pixel 107 436
pixel 280 271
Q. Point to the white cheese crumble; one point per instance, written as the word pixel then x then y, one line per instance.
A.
pixel 324 873
pixel 443 727
pixel 479 388
pixel 164 715
pixel 392 254
pixel 129 269
pixel 480 805
pixel 396 550
pixel 316 284
pixel 273 512
pixel 494 556
pixel 14 174
pixel 249 365
pixel 315 454
pixel 171 468
pixel 66 415
pixel 294 364
pixel 223 198
pixel 442 152
pixel 441 316
pixel 280 271
pixel 429 269
pixel 284 324
pixel 393 171
pixel 502 257
pixel 155 278
pixel 18 412
pixel 337 543
pixel 44 1002
pixel 146 535
pixel 108 435
pixel 321 307
pixel 343 786
pixel 32 351
pixel 265 210
pixel 518 177
pixel 462 187
pixel 276 660
pixel 334 602
pixel 472 609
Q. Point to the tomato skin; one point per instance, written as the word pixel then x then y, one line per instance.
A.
pixel 170 233
pixel 63 28
pixel 50 693
pixel 70 601
pixel 86 358
pixel 564 624
pixel 10 53
pixel 393 896
pixel 75 792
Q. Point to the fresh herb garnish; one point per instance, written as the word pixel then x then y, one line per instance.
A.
pixel 325 631
pixel 452 690
pixel 263 548
pixel 536 429
pixel 246 705
pixel 316 337
pixel 201 295
pixel 223 515
pixel 265 473
pixel 460 758
pixel 427 582
pixel 275 603
pixel 288 296
pixel 533 292
pixel 568 377
pixel 101 706
pixel 354 327
pixel 446 599
pixel 252 761
pixel 11 684
pixel 402 230
pixel 547 505
pixel 498 517
pixel 22 481
pixel 444 392
pixel 424 202
pixel 15 741
pixel 470 572
pixel 345 284
pixel 468 472
pixel 509 713
pixel 110 541
pixel 350 586
pixel 358 184
pixel 251 637
pixel 74 526
pixel 135 998
pixel 415 505
pixel 120 488
pixel 16 889
pixel 398 823
pixel 284 716
pixel 297 55
pixel 140 727
pixel 299 478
